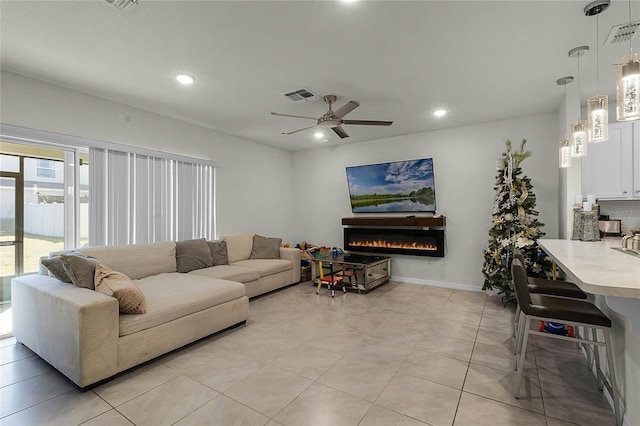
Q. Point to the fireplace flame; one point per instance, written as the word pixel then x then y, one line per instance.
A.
pixel 393 245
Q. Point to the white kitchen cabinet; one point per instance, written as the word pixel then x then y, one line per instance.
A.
pixel 608 169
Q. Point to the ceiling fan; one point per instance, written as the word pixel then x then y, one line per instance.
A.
pixel 334 119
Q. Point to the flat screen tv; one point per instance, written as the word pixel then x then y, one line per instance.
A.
pixel 400 186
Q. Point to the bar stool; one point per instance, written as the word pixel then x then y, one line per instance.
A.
pixel 550 287
pixel 574 312
pixel 330 280
pixel 546 287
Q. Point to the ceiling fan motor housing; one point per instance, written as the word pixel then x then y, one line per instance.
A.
pixel 329 121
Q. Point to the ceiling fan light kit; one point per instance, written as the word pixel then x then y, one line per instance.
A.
pixel 334 119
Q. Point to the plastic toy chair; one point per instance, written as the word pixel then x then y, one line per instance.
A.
pixel 330 280
pixel 350 273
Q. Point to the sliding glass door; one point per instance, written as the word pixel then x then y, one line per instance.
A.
pixel 39 212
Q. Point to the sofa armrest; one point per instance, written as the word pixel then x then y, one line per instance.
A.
pixel 74 329
pixel 293 255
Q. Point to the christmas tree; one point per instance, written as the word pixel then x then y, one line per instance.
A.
pixel 515 225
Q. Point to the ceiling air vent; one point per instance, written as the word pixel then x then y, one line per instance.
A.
pixel 302 95
pixel 622 32
pixel 123 4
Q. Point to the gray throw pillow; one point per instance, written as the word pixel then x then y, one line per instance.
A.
pixel 56 269
pixel 265 248
pixel 80 269
pixel 192 255
pixel 219 252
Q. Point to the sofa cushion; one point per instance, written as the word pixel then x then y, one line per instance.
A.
pixel 80 269
pixel 119 286
pixel 229 272
pixel 137 260
pixel 265 266
pixel 193 254
pixel 219 252
pixel 173 295
pixel 239 247
pixel 56 269
pixel 265 247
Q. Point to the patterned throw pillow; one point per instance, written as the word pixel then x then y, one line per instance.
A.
pixel 130 298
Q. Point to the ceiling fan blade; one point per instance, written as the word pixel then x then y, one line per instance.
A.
pixel 299 130
pixel 340 132
pixel 346 108
pixel 368 122
pixel 294 116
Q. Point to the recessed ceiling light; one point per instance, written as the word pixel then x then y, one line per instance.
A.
pixel 349 1
pixel 319 135
pixel 184 78
pixel 440 112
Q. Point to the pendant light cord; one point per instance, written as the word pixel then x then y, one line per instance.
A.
pixel 579 109
pixel 597 55
pixel 566 110
pixel 630 44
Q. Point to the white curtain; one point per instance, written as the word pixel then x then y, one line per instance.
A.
pixel 137 198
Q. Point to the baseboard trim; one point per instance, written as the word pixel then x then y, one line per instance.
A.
pixel 454 286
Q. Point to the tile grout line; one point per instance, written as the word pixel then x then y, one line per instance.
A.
pixel 455 414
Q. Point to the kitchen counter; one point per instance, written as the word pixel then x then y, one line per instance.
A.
pixel 595 267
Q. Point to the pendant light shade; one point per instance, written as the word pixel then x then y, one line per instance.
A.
pixel 564 151
pixel 598 118
pixel 628 90
pixel 598 105
pixel 579 132
pixel 579 139
pixel 564 159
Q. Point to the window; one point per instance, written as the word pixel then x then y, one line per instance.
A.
pixel 46 169
pixel 140 198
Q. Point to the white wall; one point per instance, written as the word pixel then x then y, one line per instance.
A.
pixel 254 191
pixel 465 168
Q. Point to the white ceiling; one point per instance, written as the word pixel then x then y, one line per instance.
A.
pixel 484 60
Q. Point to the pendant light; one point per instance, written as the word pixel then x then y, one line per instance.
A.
pixel 579 137
pixel 598 105
pixel 628 84
pixel 564 152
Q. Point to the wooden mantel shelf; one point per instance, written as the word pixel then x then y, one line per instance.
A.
pixel 395 221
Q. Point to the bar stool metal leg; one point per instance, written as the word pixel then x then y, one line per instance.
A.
pixel 523 352
pixel 596 357
pixel 612 376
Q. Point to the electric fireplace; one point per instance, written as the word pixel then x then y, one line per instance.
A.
pixel 414 242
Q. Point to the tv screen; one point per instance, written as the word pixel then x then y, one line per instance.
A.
pixel 400 186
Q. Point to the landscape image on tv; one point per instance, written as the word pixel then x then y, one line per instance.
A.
pixel 400 186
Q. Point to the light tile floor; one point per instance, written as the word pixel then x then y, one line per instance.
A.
pixel 401 355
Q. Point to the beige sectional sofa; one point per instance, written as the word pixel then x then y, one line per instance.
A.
pixel 82 333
